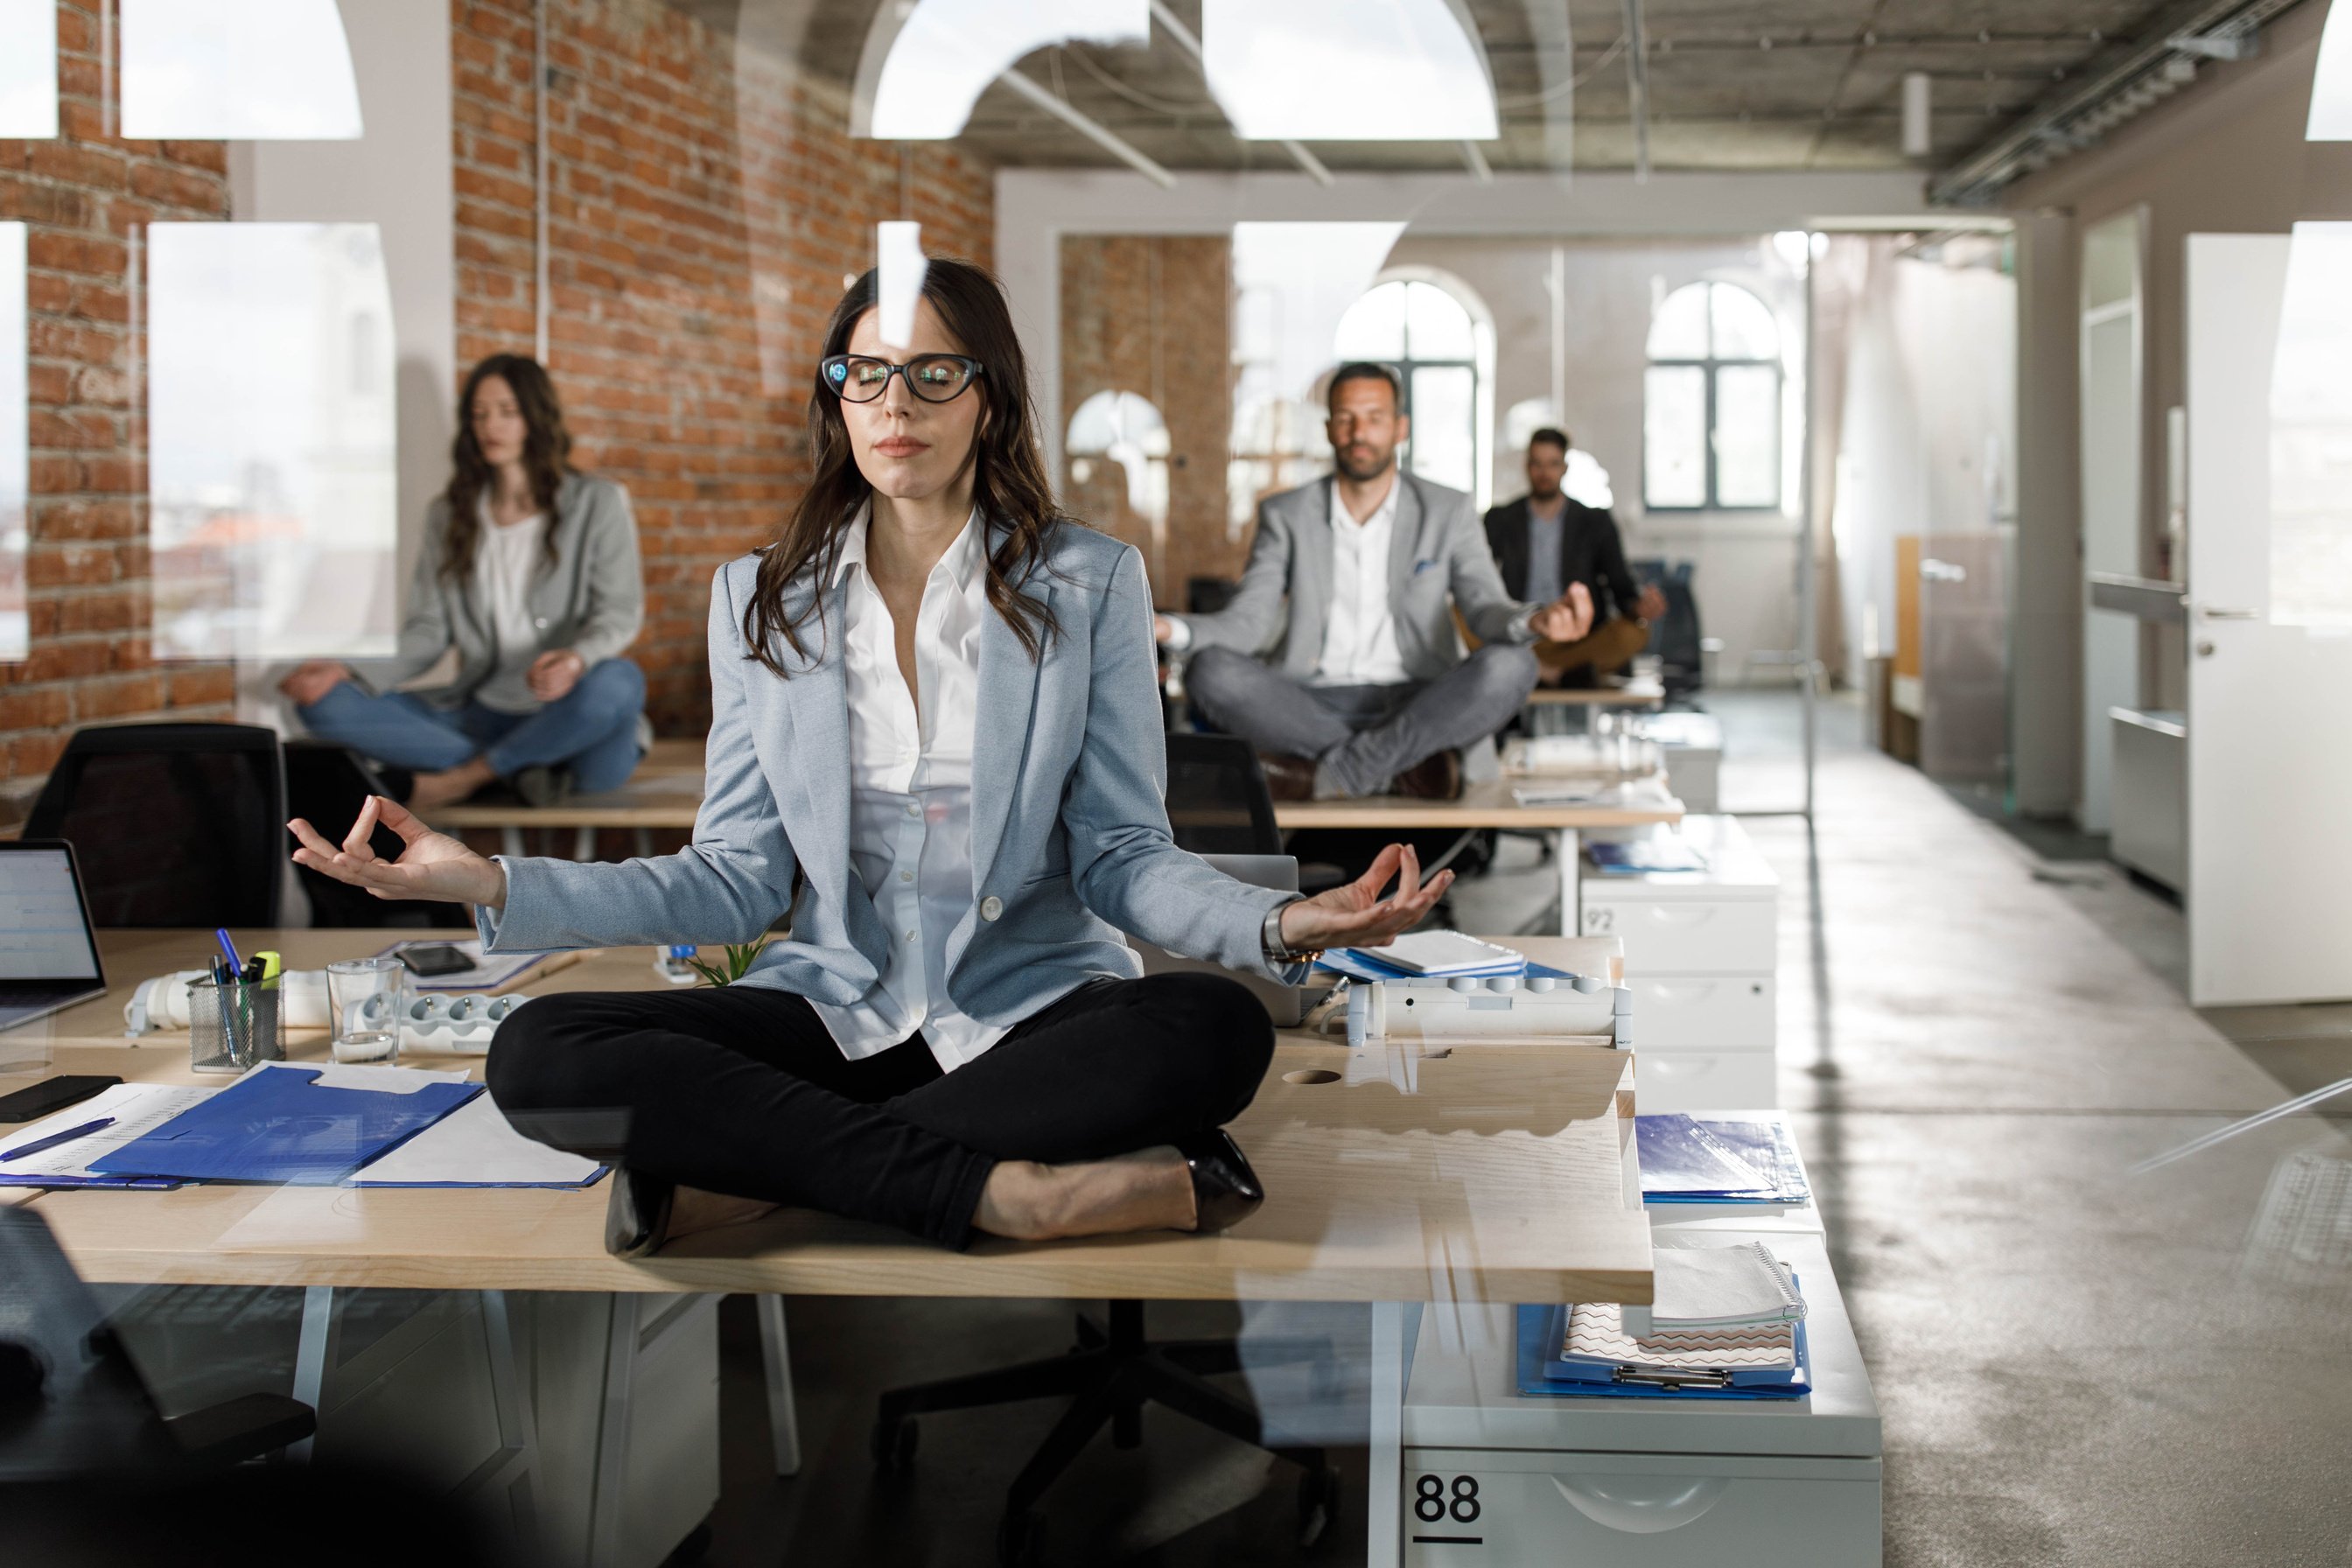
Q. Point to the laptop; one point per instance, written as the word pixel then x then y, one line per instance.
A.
pixel 1286 1005
pixel 49 956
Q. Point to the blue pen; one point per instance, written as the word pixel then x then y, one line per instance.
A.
pixel 235 964
pixel 43 1145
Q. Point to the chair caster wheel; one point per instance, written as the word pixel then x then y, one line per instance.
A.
pixel 1319 1503
pixel 892 1443
pixel 1020 1541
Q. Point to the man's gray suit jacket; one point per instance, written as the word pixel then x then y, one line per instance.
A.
pixel 1437 552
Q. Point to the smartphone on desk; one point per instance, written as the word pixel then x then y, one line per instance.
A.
pixel 434 958
pixel 52 1095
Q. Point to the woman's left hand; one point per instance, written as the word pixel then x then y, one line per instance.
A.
pixel 1357 916
pixel 554 673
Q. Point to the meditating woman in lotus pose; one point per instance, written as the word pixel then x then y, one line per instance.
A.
pixel 936 742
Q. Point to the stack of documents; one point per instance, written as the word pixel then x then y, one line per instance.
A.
pixel 1726 1321
pixel 1653 852
pixel 1432 955
pixel 56 1151
pixel 1720 1158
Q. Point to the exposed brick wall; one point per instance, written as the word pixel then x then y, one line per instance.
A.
pixel 87 577
pixel 1149 315
pixel 700 228
pixel 700 225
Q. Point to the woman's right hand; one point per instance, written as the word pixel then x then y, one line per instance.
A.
pixel 313 678
pixel 432 865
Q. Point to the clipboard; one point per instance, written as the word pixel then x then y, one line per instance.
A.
pixel 280 1124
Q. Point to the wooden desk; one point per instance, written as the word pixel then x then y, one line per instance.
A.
pixel 1633 694
pixel 665 791
pixel 1490 803
pixel 1494 1173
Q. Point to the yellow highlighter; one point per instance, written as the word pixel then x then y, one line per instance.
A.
pixel 270 967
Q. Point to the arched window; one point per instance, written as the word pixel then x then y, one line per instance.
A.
pixel 1711 405
pixel 1433 344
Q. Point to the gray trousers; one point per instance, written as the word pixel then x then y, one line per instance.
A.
pixel 1361 737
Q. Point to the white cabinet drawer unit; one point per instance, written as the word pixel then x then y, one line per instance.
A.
pixel 1701 950
pixel 1510 1480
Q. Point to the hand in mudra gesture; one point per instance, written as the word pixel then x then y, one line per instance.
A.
pixel 1567 618
pixel 431 864
pixel 1357 916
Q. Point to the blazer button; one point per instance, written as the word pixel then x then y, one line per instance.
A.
pixel 991 907
pixel 541 623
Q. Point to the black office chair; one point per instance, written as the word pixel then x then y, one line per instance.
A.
pixel 326 784
pixel 174 824
pixel 1217 804
pixel 73 1405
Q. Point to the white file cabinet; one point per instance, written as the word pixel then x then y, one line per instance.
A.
pixel 1504 1480
pixel 1700 952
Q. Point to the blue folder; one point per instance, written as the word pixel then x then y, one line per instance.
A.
pixel 280 1124
pixel 1542 1331
pixel 1686 1160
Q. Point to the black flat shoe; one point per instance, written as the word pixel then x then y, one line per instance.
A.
pixel 636 1214
pixel 542 786
pixel 1225 1191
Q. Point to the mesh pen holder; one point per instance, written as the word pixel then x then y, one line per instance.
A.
pixel 234 1026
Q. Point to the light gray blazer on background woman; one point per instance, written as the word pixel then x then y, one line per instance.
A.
pixel 592 600
pixel 1070 843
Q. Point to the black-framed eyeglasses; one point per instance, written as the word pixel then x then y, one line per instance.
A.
pixel 934 378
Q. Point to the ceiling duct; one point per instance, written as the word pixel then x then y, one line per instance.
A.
pixel 2177 39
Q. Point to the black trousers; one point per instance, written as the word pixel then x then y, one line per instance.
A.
pixel 741 1089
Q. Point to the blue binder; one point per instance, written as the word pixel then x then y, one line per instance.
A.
pixel 1540 1331
pixel 280 1125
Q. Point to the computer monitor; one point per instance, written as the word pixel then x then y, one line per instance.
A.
pixel 48 954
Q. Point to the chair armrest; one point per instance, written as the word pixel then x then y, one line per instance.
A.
pixel 242 1429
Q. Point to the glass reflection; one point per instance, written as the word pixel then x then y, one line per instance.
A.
pixel 28 69
pixel 272 508
pixel 1408 71
pixel 1124 429
pixel 1294 283
pixel 249 70
pixel 925 65
pixel 2310 433
pixel 2331 82
pixel 16 455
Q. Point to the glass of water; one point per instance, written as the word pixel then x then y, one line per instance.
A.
pixel 364 999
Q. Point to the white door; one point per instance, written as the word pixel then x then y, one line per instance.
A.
pixel 2110 477
pixel 2270 661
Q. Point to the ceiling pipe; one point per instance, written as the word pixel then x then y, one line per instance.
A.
pixel 1476 161
pixel 1976 179
pixel 1173 26
pixel 1093 130
pixel 1637 87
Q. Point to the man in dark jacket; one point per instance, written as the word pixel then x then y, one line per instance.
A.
pixel 1544 541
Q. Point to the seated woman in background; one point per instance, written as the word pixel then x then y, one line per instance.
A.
pixel 936 741
pixel 530 571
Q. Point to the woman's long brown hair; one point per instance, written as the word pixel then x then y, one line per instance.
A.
pixel 1009 484
pixel 546 454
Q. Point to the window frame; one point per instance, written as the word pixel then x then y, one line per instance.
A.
pixel 1709 367
pixel 1404 366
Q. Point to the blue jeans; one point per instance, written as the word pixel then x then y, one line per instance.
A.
pixel 592 729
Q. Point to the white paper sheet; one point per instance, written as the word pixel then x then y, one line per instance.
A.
pixel 473 1146
pixel 138 1108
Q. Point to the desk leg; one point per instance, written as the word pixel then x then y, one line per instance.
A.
pixel 510 841
pixel 776 1354
pixel 312 1352
pixel 513 1470
pixel 1564 850
pixel 584 844
pixel 1384 1478
pixel 613 1435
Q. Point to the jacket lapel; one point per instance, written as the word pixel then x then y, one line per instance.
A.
pixel 1310 578
pixel 816 701
pixel 1008 694
pixel 1405 550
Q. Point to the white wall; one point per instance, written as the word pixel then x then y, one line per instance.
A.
pixel 1928 430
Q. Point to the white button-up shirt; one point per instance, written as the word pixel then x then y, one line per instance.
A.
pixel 1359 640
pixel 911 795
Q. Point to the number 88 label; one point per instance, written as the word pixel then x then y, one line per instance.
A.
pixel 1432 1501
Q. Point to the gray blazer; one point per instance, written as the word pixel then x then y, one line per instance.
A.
pixel 1438 549
pixel 1070 844
pixel 592 600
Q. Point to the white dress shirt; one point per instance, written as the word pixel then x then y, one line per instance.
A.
pixel 1359 640
pixel 506 557
pixel 911 795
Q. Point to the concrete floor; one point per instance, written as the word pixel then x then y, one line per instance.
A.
pixel 2076 1364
